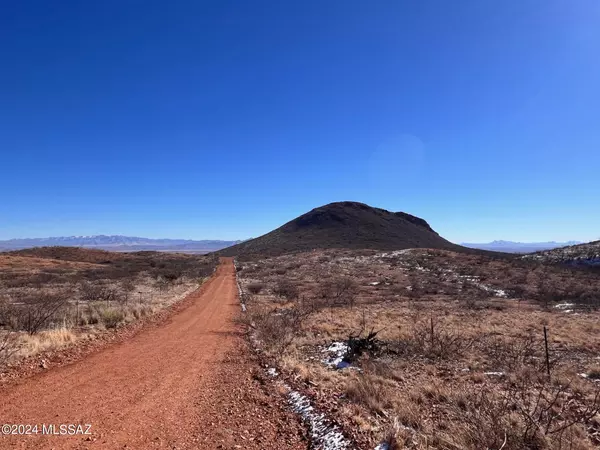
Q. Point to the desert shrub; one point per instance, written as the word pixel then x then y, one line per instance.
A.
pixel 428 338
pixel 275 329
pixel 473 298
pixel 488 422
pixel 140 311
pixel 286 289
pixel 255 288
pixel 97 292
pixel 111 317
pixel 170 276
pixel 127 286
pixel 359 345
pixel 7 311
pixel 92 317
pixel 7 346
pixel 513 353
pixel 38 311
pixel 341 291
pixel 589 299
pixel 162 284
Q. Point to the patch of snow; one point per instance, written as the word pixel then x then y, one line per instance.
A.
pixel 563 306
pixel 337 351
pixel 475 281
pixel 272 371
pixel 587 377
pixel 383 446
pixel 375 283
pixel 324 434
pixel 239 286
pixel 494 374
pixel 342 365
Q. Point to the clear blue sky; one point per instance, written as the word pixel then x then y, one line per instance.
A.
pixel 225 119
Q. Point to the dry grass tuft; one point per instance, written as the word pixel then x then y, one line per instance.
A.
pixel 29 345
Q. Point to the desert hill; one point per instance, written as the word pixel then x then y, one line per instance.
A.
pixel 349 225
pixel 587 254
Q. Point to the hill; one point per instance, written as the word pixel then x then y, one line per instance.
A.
pixel 74 254
pixel 349 225
pixel 119 243
pixel 582 254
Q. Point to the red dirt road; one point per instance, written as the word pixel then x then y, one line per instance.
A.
pixel 188 383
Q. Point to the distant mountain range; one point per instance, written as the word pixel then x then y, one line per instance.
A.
pixel 119 243
pixel 520 247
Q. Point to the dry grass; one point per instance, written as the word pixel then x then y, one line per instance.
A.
pixel 460 359
pixel 84 292
pixel 28 345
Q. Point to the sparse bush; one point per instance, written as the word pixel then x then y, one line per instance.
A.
pixel 286 289
pixel 97 292
pixel 514 353
pixel 255 288
pixel 111 317
pixel 340 291
pixel 7 346
pixel 432 340
pixel 275 329
pixel 38 311
pixel 474 298
pixel 140 311
pixel 162 284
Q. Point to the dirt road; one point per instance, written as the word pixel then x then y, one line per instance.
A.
pixel 187 383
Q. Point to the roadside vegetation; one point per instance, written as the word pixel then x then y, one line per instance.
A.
pixel 51 297
pixel 430 349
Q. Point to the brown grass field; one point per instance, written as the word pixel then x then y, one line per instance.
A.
pixel 446 350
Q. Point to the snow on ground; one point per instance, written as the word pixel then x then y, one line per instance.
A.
pixel 324 434
pixel 475 281
pixel 337 351
pixel 239 286
pixel 565 307
pixel 383 446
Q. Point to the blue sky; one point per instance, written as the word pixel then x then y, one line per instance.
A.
pixel 192 119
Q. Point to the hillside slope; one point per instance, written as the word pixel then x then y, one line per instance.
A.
pixel 348 225
pixel 582 254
